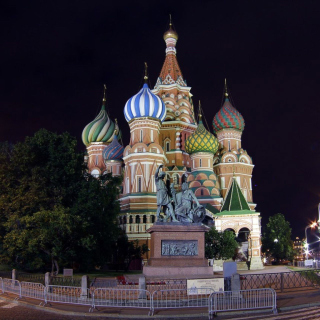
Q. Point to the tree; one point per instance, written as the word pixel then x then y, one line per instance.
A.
pixel 276 239
pixel 220 245
pixel 51 209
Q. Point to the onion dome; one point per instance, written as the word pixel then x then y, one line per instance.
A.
pixel 145 104
pixel 113 151
pixel 170 33
pixel 201 140
pixel 102 128
pixel 228 116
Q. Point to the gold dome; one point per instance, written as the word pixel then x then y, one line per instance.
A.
pixel 170 33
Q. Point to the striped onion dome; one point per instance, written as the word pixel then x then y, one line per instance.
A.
pixel 201 141
pixel 145 104
pixel 228 117
pixel 101 129
pixel 113 151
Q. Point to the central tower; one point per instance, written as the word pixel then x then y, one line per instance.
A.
pixel 179 122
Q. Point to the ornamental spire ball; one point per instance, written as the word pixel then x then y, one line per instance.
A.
pixel 145 104
pixel 227 116
pixel 201 140
pixel 102 128
pixel 170 33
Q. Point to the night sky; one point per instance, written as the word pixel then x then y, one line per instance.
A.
pixel 55 57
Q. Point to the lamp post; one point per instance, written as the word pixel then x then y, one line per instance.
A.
pixel 319 217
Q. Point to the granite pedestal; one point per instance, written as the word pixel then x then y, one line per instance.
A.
pixel 177 249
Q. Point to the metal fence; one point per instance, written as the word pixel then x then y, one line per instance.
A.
pixel 31 277
pixel 11 286
pixel 166 284
pixel 67 294
pixel 180 298
pixel 109 297
pixel 32 290
pixel 65 281
pixel 242 300
pixel 285 281
pixel 138 298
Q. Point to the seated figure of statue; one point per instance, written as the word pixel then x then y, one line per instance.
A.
pixel 187 206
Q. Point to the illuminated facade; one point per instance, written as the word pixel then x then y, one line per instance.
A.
pixel 164 130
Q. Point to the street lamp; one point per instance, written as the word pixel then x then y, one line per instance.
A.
pixel 306 244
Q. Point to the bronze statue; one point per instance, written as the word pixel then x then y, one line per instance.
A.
pixel 163 198
pixel 186 205
pixel 185 209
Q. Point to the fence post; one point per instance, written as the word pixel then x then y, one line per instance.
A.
pixel 142 286
pixel 14 274
pixel 47 279
pixel 84 287
pixel 281 281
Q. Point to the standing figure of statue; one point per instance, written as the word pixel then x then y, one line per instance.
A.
pixel 185 208
pixel 163 199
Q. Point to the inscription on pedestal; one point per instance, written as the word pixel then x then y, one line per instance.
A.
pixel 179 247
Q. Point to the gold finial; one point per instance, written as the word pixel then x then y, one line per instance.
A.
pixel 145 72
pixel 104 93
pixel 170 23
pixel 199 112
pixel 226 94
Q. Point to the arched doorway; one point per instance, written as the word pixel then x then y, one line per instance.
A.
pixel 242 239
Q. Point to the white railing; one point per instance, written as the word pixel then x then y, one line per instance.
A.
pixel 32 290
pixel 181 298
pixel 264 298
pixel 109 297
pixel 66 294
pixel 12 286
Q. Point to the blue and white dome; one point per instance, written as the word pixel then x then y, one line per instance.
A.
pixel 145 104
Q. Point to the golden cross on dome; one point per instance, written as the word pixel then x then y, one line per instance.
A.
pixel 145 72
pixel 104 92
pixel 226 94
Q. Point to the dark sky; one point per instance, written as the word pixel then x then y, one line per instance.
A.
pixel 55 57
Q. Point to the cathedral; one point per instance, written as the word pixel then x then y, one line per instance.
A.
pixel 164 130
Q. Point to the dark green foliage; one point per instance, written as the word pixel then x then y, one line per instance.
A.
pixel 276 241
pixel 220 245
pixel 51 210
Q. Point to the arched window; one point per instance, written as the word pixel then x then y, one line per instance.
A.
pixel 139 184
pixel 137 219
pixel 200 163
pixel 201 192
pixel 229 145
pixel 167 146
pixel 144 219
pixel 141 132
pixel 125 220
pixel 130 219
pixel 152 219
